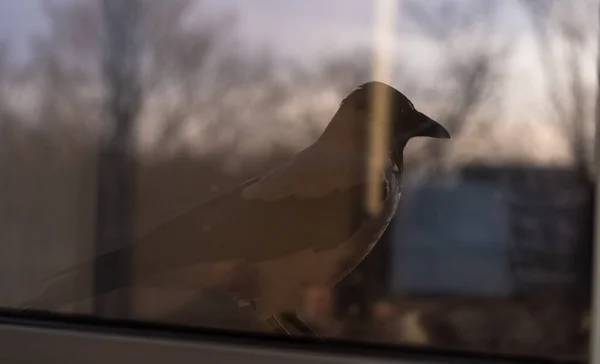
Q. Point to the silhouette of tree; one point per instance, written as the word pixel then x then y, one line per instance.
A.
pixel 116 161
pixel 471 78
pixel 563 32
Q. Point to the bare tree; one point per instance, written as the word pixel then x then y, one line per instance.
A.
pixel 346 71
pixel 588 321
pixel 93 80
pixel 116 168
pixel 470 80
pixel 5 113
pixel 563 30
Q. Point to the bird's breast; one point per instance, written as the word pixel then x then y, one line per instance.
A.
pixel 282 281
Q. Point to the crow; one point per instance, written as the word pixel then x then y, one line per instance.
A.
pixel 307 221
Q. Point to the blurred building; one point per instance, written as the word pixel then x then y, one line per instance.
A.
pixel 549 212
pixel 499 230
pixel 496 231
pixel 452 238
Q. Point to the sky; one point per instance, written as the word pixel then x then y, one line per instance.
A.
pixel 304 22
pixel 314 25
pixel 309 29
pixel 302 30
pixel 19 20
pixel 297 28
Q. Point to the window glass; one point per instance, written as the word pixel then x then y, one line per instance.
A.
pixel 128 127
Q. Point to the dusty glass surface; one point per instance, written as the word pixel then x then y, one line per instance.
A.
pixel 118 118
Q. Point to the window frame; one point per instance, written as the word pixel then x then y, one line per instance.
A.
pixel 43 337
pixel 594 339
pixel 39 337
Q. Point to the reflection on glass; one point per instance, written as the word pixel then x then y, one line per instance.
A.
pixel 116 120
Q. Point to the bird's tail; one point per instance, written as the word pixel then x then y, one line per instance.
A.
pixel 65 287
pixel 82 281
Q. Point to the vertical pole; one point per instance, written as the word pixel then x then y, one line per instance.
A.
pixel 594 341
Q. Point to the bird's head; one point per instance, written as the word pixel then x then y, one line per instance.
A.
pixel 359 109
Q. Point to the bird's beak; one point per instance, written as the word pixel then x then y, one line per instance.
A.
pixel 425 127
pixel 430 128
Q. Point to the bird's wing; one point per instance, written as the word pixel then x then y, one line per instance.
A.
pixel 313 173
pixel 232 227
